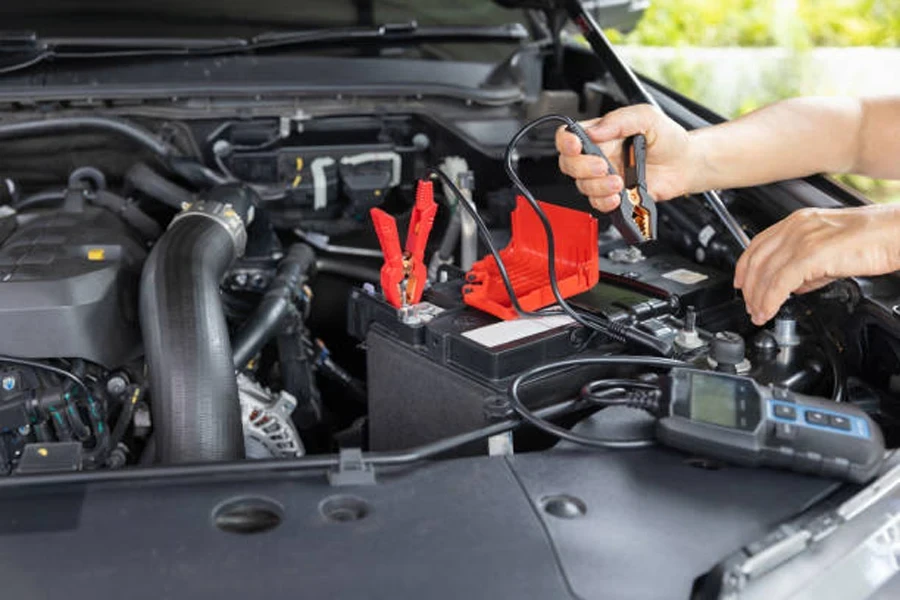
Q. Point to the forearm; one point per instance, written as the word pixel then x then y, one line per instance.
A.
pixel 793 138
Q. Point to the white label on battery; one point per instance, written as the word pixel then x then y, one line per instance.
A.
pixel 685 276
pixel 705 235
pixel 510 331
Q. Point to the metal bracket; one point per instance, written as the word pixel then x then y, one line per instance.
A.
pixel 351 469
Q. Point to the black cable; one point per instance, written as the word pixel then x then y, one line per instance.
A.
pixel 275 465
pixel 548 228
pixel 131 398
pixel 617 331
pixel 486 237
pixel 564 434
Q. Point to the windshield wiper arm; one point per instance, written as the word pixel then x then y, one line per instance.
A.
pixel 27 49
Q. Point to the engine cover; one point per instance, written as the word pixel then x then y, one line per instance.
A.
pixel 68 287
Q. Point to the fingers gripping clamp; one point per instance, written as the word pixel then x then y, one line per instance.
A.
pixel 404 274
pixel 635 218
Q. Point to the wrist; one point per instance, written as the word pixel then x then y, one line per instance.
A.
pixel 879 231
pixel 700 163
pixel 891 230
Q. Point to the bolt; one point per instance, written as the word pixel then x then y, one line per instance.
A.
pixel 240 279
pixel 259 281
pixel 9 383
pixel 690 319
pixel 24 430
pixel 116 385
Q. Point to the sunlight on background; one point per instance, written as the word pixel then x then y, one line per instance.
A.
pixel 737 55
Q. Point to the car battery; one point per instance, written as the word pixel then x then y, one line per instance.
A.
pixel 438 371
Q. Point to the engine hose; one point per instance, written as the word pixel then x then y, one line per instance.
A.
pixel 351 270
pixel 268 317
pixel 73 124
pixel 147 181
pixel 188 168
pixel 140 221
pixel 196 410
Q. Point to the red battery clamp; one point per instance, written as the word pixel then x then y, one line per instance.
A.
pixel 404 274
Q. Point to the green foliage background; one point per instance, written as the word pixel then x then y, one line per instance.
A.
pixel 798 25
pixel 768 23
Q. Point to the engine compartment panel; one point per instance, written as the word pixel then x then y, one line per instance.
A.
pixel 68 286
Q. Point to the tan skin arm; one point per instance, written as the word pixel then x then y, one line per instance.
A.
pixel 789 139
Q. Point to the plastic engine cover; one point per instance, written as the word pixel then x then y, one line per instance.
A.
pixel 68 287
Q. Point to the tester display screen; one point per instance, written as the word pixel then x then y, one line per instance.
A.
pixel 714 400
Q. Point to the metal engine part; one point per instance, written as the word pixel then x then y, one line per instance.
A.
pixel 266 417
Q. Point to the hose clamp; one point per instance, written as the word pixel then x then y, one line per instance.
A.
pixel 224 215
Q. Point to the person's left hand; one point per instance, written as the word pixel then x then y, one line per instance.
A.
pixel 812 248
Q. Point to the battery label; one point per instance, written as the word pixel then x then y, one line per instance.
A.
pixel 505 332
pixel 685 276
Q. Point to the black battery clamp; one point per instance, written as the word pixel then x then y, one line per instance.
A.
pixel 732 418
pixel 729 418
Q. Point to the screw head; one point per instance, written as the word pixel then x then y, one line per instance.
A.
pixel 24 430
pixel 116 385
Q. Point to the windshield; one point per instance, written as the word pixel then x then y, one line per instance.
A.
pixel 236 17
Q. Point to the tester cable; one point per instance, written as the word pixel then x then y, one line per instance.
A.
pixel 608 392
pixel 617 331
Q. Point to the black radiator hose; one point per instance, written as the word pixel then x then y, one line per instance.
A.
pixel 268 318
pixel 196 410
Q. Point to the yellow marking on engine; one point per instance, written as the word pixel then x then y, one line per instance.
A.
pixel 43 452
pixel 296 181
pixel 96 254
pixel 299 163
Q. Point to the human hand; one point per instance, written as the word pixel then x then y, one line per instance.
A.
pixel 670 159
pixel 813 247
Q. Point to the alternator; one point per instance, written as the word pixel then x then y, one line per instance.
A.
pixel 266 417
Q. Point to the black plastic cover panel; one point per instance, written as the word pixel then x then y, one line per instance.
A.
pixel 468 528
pixel 68 287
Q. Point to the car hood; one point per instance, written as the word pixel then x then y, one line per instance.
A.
pixel 230 17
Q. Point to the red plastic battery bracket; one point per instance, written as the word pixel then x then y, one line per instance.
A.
pixel 577 261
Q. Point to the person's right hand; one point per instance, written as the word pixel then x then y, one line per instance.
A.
pixel 670 162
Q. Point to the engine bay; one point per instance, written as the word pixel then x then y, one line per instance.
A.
pixel 204 290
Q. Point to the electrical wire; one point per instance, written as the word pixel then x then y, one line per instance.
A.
pixel 617 331
pixel 564 434
pixel 486 238
pixel 545 221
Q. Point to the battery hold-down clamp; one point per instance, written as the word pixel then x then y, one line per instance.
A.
pixel 404 274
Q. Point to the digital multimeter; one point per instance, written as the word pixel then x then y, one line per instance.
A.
pixel 734 419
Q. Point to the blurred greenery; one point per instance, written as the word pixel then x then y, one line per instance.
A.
pixel 798 25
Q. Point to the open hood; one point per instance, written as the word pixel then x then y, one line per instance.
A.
pixel 240 17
